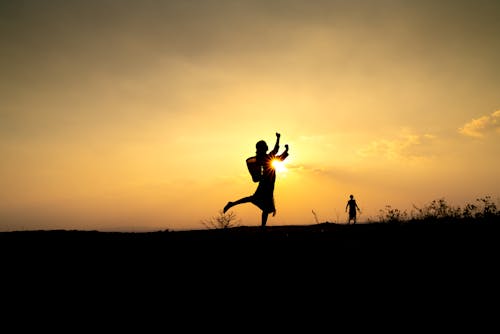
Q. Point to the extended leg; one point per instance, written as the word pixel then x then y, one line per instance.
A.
pixel 240 201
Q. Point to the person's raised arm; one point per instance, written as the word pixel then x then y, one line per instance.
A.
pixel 277 145
pixel 283 155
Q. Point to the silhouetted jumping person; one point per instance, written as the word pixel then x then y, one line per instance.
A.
pixel 262 170
pixel 353 206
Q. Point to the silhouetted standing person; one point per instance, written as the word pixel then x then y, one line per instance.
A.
pixel 352 206
pixel 263 171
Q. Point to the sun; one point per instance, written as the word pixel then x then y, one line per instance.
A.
pixel 279 165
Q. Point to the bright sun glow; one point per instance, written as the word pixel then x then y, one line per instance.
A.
pixel 279 165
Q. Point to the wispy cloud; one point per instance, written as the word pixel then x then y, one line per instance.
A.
pixel 481 126
pixel 406 146
pixel 310 169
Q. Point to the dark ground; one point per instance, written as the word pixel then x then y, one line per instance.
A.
pixel 317 245
pixel 416 270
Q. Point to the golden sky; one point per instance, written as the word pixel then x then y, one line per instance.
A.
pixel 139 115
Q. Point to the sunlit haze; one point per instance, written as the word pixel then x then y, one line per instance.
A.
pixel 138 115
pixel 279 166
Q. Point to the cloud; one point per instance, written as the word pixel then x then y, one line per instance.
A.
pixel 311 169
pixel 481 126
pixel 407 146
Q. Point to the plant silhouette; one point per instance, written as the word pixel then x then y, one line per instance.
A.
pixel 221 221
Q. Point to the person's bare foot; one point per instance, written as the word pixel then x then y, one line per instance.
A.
pixel 228 206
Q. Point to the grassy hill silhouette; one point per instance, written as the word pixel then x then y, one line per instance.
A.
pixel 323 240
pixel 436 263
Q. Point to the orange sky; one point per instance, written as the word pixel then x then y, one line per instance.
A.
pixel 139 115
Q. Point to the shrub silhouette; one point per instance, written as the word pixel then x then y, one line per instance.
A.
pixel 485 209
pixel 221 220
pixel 390 215
pixel 441 210
pixel 436 209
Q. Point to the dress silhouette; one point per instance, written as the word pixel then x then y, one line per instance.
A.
pixel 262 170
pixel 353 206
